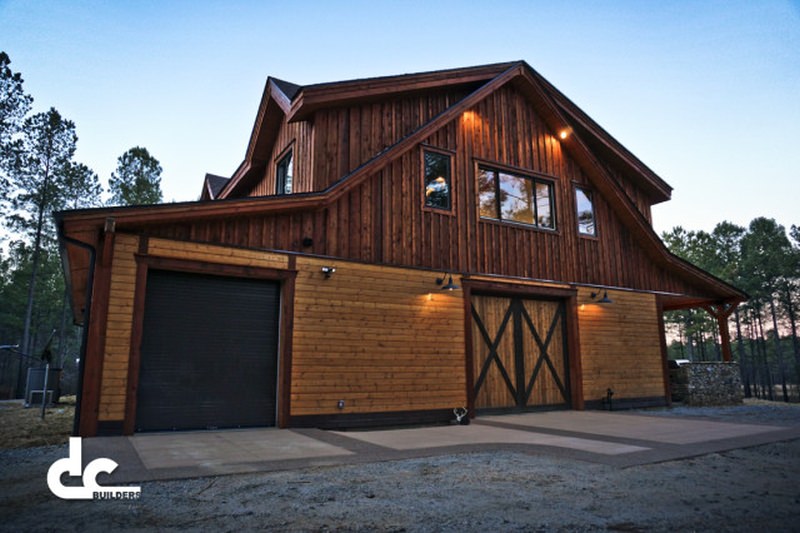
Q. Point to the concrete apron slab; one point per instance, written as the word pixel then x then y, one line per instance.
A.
pixel 632 426
pixel 618 439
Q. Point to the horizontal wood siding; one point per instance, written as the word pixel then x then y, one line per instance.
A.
pixel 121 302
pixel 381 339
pixel 118 329
pixel 620 346
pixel 215 254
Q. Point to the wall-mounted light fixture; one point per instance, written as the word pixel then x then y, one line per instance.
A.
pixel 563 134
pixel 450 285
pixel 328 271
pixel 604 300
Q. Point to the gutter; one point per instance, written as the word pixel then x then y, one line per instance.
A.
pixel 63 239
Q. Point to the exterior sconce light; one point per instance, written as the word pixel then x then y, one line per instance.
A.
pixel 604 300
pixel 328 271
pixel 563 134
pixel 450 285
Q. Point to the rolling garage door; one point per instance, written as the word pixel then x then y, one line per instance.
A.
pixel 209 352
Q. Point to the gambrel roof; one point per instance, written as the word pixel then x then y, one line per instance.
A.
pixel 588 144
pixel 299 103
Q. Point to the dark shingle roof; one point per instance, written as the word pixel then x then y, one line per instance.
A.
pixel 288 88
pixel 216 183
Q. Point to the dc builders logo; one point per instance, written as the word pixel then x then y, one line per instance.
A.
pixel 90 489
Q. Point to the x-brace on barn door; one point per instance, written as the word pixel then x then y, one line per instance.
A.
pixel 519 352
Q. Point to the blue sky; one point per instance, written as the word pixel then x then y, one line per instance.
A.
pixel 705 93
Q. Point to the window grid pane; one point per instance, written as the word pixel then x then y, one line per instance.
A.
pixel 585 212
pixel 544 205
pixel 516 198
pixel 283 175
pixel 487 199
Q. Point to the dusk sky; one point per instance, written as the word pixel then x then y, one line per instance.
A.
pixel 707 94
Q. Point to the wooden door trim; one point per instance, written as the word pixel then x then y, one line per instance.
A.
pixel 572 342
pixel 286 279
pixel 535 292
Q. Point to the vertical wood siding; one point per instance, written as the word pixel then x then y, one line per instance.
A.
pixel 341 139
pixel 381 339
pixel 298 135
pixel 619 346
pixel 383 220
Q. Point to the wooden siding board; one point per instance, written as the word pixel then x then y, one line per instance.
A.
pixel 364 336
pixel 619 345
pixel 118 324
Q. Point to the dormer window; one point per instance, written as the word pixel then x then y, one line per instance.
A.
pixel 283 175
pixel 437 180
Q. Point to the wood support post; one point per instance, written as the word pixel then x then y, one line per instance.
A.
pixel 722 312
pixel 725 337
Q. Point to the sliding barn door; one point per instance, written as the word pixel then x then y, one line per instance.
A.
pixel 519 353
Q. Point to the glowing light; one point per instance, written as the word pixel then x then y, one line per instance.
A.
pixel 564 134
pixel 470 117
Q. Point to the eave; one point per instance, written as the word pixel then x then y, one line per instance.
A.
pixel 599 138
pixel 273 107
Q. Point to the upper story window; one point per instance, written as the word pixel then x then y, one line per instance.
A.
pixel 437 180
pixel 585 212
pixel 516 198
pixel 283 175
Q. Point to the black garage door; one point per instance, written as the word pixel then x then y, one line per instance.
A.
pixel 209 352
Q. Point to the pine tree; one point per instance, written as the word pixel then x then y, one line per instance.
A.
pixel 14 105
pixel 37 189
pixel 137 180
pixel 81 187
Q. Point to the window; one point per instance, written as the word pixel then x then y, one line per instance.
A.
pixel 515 198
pixel 437 180
pixel 283 175
pixel 585 212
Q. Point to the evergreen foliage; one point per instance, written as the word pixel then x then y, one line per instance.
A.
pixel 764 261
pixel 137 180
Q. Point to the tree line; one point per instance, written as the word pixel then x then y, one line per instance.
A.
pixel 763 260
pixel 39 176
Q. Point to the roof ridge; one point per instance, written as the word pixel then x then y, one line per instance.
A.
pixel 501 66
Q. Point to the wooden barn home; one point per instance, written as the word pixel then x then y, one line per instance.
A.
pixel 389 249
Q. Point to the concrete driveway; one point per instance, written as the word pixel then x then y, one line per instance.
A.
pixel 619 439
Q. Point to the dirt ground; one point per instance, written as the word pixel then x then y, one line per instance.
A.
pixel 755 489
pixel 24 427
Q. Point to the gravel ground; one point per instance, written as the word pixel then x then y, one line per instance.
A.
pixel 756 489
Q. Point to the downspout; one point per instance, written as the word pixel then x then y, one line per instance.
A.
pixel 86 317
